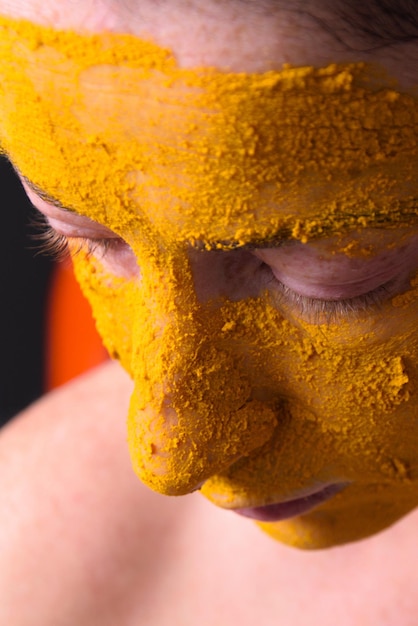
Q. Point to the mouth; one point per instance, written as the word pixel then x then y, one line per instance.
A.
pixel 291 508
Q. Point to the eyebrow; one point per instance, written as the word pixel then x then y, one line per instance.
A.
pixel 403 216
pixel 43 194
pixel 276 241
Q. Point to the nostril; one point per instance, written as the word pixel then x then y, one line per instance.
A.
pixel 199 486
pixel 178 458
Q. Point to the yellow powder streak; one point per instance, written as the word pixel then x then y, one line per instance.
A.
pixel 243 395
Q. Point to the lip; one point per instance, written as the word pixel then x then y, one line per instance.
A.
pixel 291 508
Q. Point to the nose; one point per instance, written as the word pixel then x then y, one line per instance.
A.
pixel 193 412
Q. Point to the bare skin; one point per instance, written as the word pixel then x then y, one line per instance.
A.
pixel 83 542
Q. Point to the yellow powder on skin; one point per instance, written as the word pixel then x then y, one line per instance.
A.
pixel 251 396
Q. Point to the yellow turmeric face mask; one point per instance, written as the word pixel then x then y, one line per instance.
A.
pixel 244 391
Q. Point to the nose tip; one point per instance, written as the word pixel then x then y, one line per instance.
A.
pixel 192 412
pixel 174 452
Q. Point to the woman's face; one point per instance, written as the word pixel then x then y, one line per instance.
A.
pixel 247 236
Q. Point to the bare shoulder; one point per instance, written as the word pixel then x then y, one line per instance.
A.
pixel 71 508
pixel 74 421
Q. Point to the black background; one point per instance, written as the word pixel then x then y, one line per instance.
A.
pixel 24 283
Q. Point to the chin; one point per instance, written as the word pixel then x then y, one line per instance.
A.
pixel 327 526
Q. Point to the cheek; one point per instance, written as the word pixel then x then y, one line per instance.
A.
pixel 111 298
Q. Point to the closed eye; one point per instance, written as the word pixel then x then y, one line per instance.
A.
pixel 59 246
pixel 113 252
pixel 320 310
pixel 323 292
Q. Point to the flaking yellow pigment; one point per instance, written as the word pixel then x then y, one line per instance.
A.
pixel 251 396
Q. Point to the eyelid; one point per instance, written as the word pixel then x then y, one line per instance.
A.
pixel 321 273
pixel 71 224
pixel 319 310
pixel 32 189
pixel 84 228
pixel 59 246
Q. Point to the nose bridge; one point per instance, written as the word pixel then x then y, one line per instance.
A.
pixel 192 413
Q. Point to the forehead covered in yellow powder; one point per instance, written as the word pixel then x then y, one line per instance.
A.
pixel 114 129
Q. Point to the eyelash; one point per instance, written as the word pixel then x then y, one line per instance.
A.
pixel 57 246
pixel 321 310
